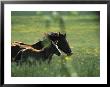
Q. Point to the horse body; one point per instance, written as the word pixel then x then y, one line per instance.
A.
pixel 43 54
pixel 17 46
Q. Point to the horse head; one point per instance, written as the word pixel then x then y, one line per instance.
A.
pixel 60 40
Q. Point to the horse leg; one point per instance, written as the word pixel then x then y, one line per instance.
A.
pixel 18 57
pixel 49 59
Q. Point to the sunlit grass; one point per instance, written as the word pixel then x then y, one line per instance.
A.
pixel 83 37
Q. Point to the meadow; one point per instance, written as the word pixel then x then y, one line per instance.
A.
pixel 83 35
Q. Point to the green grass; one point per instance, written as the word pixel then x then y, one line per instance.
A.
pixel 83 35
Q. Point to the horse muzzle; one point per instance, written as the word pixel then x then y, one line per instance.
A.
pixel 69 54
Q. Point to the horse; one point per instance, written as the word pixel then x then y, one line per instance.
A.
pixel 58 38
pixel 40 55
pixel 16 46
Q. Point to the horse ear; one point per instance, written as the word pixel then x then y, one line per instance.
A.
pixel 65 34
pixel 59 33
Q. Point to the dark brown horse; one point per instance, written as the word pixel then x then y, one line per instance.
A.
pixel 58 38
pixel 40 55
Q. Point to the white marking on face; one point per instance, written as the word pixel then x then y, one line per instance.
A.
pixel 57 48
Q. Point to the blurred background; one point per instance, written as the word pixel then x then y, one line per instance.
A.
pixel 83 35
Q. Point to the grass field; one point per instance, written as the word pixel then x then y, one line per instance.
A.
pixel 83 35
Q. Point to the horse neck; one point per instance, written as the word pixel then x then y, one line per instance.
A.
pixel 48 51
